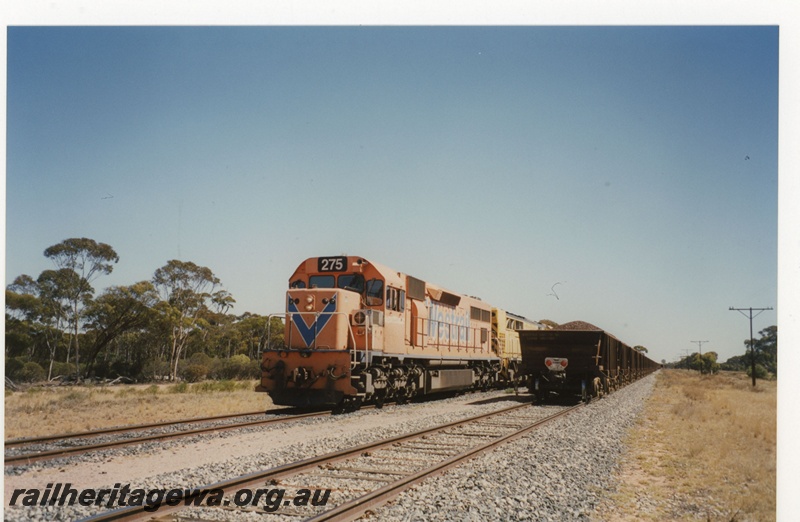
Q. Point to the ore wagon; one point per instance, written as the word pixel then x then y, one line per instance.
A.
pixel 578 359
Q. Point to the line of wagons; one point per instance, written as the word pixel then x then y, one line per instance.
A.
pixel 579 358
pixel 358 332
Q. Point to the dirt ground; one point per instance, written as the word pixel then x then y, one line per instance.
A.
pixel 55 410
pixel 704 449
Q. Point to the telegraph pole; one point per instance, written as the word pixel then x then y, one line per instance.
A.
pixel 700 345
pixel 752 342
pixel 686 358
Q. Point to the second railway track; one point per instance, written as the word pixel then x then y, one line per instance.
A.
pixel 364 476
pixel 21 456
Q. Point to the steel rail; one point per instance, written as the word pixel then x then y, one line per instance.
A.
pixel 131 427
pixel 293 468
pixel 360 505
pixel 52 454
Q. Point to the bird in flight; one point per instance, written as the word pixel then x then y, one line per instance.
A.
pixel 553 290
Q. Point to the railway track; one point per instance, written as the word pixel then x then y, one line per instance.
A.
pixel 49 454
pixel 132 427
pixel 43 454
pixel 359 478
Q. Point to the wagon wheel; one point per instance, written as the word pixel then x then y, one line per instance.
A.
pixel 597 386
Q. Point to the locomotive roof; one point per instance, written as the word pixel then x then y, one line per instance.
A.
pixel 390 273
pixel 520 317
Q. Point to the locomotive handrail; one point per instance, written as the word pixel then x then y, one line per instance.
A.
pixel 473 341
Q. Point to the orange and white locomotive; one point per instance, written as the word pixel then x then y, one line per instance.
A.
pixel 357 331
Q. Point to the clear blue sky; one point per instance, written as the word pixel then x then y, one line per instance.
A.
pixel 638 167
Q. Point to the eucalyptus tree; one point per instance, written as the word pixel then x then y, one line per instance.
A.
pixel 88 259
pixel 219 335
pixel 255 332
pixel 120 309
pixel 44 303
pixel 22 301
pixel 766 348
pixel 186 290
pixel 22 316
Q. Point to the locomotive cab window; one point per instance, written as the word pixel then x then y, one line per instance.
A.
pixel 354 282
pixel 513 324
pixel 298 284
pixel 321 281
pixel 395 299
pixel 374 292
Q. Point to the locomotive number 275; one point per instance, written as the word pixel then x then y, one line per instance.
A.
pixel 332 264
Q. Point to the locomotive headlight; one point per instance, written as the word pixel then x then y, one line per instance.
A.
pixel 309 307
pixel 309 299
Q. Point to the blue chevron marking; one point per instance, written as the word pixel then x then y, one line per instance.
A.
pixel 309 332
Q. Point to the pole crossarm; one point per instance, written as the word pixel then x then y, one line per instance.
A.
pixel 699 345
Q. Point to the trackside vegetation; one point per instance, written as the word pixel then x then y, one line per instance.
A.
pixel 764 349
pixel 705 448
pixel 177 326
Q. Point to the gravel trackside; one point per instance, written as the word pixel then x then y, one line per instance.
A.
pixel 558 472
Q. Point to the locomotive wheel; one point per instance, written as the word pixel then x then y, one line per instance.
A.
pixel 348 405
pixel 411 391
pixel 354 404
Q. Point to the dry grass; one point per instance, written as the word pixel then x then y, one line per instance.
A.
pixel 704 449
pixel 56 410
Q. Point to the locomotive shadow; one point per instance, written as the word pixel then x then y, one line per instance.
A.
pixel 521 398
